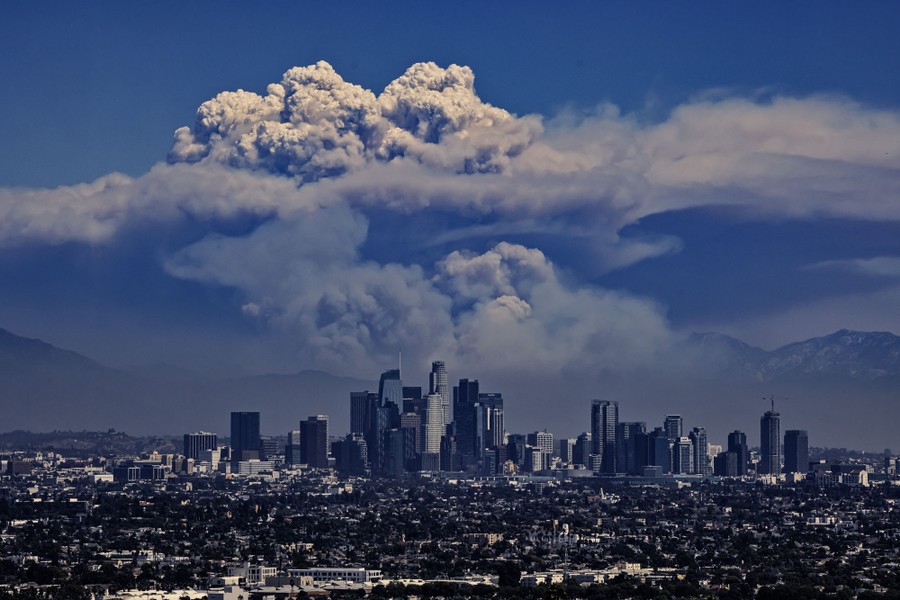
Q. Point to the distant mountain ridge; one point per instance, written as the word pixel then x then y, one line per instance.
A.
pixel 43 387
pixel 858 355
pixel 30 352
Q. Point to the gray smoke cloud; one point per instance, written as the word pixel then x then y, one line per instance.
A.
pixel 314 125
pixel 315 158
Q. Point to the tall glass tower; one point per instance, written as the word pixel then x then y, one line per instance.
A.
pixel 604 422
pixel 770 443
pixel 437 384
pixel 245 435
pixel 796 451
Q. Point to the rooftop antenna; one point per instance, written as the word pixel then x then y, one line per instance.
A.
pixel 400 361
pixel 771 399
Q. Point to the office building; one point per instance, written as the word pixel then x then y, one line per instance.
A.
pixel 384 416
pixel 737 444
pixel 292 450
pixel 659 450
pixel 270 448
pixel 673 426
pixel 770 443
pixel 434 423
pixel 439 384
pixel 543 440
pixel 351 455
pixel 515 449
pixel 626 446
pixel 582 451
pixel 314 442
pixel 604 422
pixel 244 436
pixel 567 450
pixel 465 397
pixel 683 453
pixel 361 406
pixel 700 449
pixel 726 464
pixel 410 431
pixel 796 451
pixel 433 429
pixel 534 459
pixel 413 421
pixel 390 388
pixel 195 443
pixel 489 421
pixel 412 393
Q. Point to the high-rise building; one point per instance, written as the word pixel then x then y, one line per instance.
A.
pixel 604 422
pixel 583 450
pixel 314 442
pixel 700 449
pixel 434 429
pixel 544 441
pixel 684 456
pixel 534 459
pixel 770 443
pixel 270 448
pixel 195 443
pixel 567 450
pixel 658 450
pixel 439 384
pixel 411 420
pixel 673 426
pixel 351 456
pixel 626 446
pixel 465 397
pixel 726 464
pixel 410 428
pixel 412 392
pixel 737 443
pixel 244 435
pixel 488 421
pixel 293 454
pixel 796 451
pixel 515 448
pixel 395 442
pixel 390 388
pixel 384 416
pixel 361 406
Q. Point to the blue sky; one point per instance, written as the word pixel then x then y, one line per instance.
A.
pixel 655 168
pixel 100 87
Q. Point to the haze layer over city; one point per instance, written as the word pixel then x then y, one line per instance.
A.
pixel 681 209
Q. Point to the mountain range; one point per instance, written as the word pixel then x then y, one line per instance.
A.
pixel 855 355
pixel 43 387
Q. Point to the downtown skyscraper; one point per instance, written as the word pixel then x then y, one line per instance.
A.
pixel 314 441
pixel 604 422
pixel 770 443
pixel 437 384
pixel 796 451
pixel 244 435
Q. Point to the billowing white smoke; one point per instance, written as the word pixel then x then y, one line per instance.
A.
pixel 314 125
pixel 304 275
pixel 459 172
pixel 437 119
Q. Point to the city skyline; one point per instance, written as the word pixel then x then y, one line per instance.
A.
pixel 616 200
pixel 391 434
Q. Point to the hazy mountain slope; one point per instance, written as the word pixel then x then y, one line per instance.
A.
pixel 716 381
pixel 44 388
